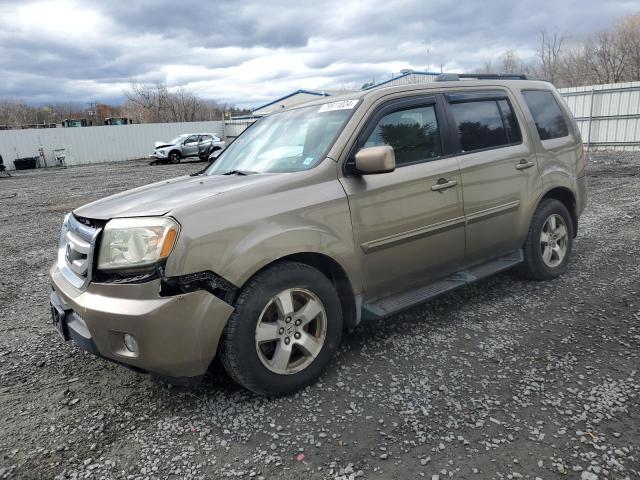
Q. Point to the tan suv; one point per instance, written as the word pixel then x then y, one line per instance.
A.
pixel 318 218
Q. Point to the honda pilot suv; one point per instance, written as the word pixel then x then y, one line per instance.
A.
pixel 318 218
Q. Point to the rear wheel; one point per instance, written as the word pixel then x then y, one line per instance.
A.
pixel 284 331
pixel 174 157
pixel 549 242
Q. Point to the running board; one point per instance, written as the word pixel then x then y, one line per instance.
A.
pixel 402 301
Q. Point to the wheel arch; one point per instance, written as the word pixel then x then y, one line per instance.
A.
pixel 568 199
pixel 336 274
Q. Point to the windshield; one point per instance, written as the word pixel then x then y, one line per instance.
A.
pixel 176 140
pixel 285 142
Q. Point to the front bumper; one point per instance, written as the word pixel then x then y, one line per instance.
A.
pixel 159 156
pixel 177 336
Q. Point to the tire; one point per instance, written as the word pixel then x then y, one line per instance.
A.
pixel 259 366
pixel 174 157
pixel 540 263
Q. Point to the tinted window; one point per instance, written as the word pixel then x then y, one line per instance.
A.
pixel 192 139
pixel 479 125
pixel 513 130
pixel 413 133
pixel 546 113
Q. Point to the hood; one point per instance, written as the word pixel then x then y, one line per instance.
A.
pixel 160 144
pixel 162 197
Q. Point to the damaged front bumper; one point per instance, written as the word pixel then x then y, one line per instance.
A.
pixel 175 336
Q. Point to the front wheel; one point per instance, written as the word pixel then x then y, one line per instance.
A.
pixel 174 158
pixel 285 329
pixel 549 242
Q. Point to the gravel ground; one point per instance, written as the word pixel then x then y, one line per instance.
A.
pixel 503 379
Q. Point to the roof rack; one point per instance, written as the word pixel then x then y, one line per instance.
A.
pixel 452 77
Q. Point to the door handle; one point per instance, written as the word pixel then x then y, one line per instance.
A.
pixel 443 184
pixel 523 165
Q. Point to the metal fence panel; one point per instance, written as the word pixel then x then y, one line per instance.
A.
pixel 233 128
pixel 608 115
pixel 85 145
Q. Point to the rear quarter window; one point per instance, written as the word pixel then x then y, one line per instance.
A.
pixel 546 113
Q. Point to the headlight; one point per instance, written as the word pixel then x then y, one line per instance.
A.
pixel 129 243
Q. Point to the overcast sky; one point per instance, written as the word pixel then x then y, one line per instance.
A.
pixel 248 52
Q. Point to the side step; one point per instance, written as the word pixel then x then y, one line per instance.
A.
pixel 401 301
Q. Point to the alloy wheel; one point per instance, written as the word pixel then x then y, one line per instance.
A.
pixel 554 240
pixel 291 331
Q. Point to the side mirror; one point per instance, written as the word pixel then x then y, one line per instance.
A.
pixel 372 160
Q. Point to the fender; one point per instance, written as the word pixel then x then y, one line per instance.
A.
pixel 258 251
pixel 235 236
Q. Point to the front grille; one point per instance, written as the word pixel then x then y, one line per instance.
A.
pixel 75 251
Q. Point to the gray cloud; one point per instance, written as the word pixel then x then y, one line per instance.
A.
pixel 248 52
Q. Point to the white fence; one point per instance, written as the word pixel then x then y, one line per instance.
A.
pixel 96 144
pixel 608 115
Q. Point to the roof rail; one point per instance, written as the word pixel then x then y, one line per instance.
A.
pixel 452 77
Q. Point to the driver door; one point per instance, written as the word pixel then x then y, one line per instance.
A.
pixel 408 224
pixel 190 146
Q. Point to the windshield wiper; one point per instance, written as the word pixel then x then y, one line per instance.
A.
pixel 239 172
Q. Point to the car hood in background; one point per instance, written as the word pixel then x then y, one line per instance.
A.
pixel 162 197
pixel 162 144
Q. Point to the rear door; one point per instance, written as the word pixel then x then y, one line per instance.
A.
pixel 409 223
pixel 204 147
pixel 498 168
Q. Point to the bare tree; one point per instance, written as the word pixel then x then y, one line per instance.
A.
pixel 574 69
pixel 549 51
pixel 487 67
pixel 628 33
pixel 147 103
pixel 156 103
pixel 510 62
pixel 606 57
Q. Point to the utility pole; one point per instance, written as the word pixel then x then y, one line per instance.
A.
pixel 92 110
pixel 427 59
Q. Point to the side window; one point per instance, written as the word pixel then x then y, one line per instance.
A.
pixel 192 139
pixel 546 113
pixel 485 124
pixel 413 133
pixel 510 121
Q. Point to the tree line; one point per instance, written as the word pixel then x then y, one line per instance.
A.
pixel 157 104
pixel 143 104
pixel 611 55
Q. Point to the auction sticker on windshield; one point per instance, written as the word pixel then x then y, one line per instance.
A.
pixel 339 105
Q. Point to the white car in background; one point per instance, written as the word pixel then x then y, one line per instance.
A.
pixel 187 145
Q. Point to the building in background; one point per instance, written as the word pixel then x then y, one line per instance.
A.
pixel 294 98
pixel 301 96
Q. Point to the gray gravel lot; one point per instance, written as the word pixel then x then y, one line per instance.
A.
pixel 503 379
